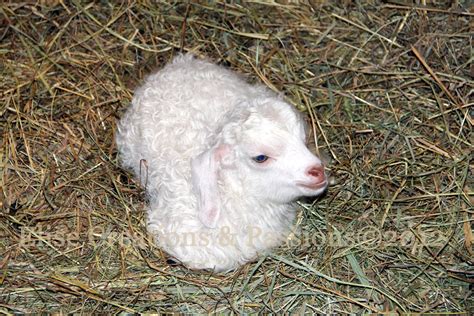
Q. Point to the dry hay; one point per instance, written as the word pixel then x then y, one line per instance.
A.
pixel 387 87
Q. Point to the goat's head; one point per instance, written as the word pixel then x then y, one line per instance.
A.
pixel 263 146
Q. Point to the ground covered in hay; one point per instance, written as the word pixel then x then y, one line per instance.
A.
pixel 386 87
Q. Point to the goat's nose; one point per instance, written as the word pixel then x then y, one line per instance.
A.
pixel 317 173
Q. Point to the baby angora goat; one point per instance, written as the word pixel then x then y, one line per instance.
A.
pixel 225 161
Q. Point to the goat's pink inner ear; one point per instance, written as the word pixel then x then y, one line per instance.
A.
pixel 220 154
pixel 221 151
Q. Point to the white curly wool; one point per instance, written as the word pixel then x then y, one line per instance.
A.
pixel 225 161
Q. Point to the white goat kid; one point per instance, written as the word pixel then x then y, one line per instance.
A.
pixel 225 162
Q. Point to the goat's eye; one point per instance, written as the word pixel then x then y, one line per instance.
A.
pixel 260 158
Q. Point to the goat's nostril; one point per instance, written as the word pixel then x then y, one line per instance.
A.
pixel 314 172
pixel 317 172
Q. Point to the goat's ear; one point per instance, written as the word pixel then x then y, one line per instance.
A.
pixel 205 172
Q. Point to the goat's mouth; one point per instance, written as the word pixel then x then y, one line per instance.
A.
pixel 313 186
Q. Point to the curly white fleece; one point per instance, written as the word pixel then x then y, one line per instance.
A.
pixel 193 131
